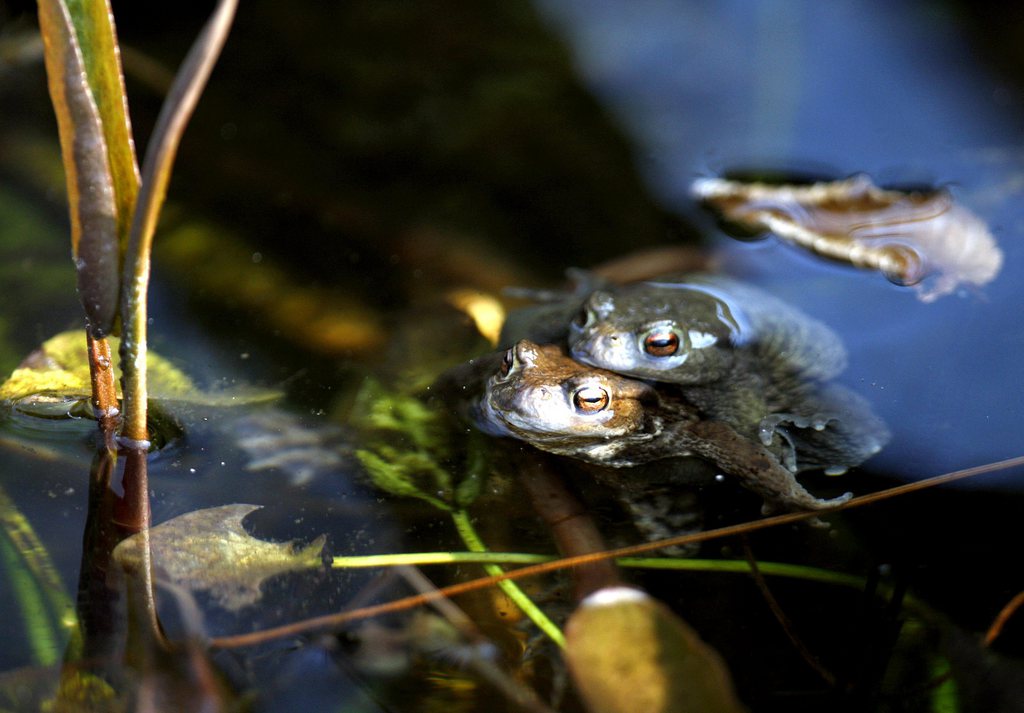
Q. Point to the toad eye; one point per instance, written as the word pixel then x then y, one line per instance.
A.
pixel 507 362
pixel 590 399
pixel 661 342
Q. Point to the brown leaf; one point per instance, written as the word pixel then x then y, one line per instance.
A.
pixel 209 550
pixel 906 235
pixel 628 652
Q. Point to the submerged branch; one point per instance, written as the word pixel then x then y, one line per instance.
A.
pixel 571 525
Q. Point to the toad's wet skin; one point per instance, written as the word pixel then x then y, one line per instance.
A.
pixel 735 353
pixel 541 396
pixel 698 329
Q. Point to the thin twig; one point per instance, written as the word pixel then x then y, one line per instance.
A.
pixel 1004 616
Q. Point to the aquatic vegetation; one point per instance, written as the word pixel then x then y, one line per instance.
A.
pixel 61 366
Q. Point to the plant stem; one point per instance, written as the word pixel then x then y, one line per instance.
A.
pixel 775 569
pixel 156 173
pixel 104 391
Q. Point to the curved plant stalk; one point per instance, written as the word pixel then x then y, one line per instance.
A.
pixel 1008 610
pixel 783 619
pixel 156 173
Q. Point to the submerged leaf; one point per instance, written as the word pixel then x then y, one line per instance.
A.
pixel 628 652
pixel 906 235
pixel 209 550
pixel 326 321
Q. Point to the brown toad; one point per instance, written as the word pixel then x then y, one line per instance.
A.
pixel 542 397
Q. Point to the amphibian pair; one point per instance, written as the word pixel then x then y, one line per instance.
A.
pixel 698 365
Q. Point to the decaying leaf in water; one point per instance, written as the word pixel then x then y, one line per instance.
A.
pixel 906 235
pixel 60 369
pixel 209 551
pixel 628 652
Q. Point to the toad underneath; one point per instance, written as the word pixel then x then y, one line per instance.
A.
pixel 542 397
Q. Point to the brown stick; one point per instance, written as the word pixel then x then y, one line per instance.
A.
pixel 571 525
pixel 1004 615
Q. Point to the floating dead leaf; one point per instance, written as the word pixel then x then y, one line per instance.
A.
pixel 906 235
pixel 209 551
pixel 628 652
pixel 59 372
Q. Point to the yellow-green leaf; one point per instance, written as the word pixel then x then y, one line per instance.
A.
pixel 209 551
pixel 60 368
pixel 628 653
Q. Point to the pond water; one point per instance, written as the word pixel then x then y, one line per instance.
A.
pixel 894 91
pixel 357 163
